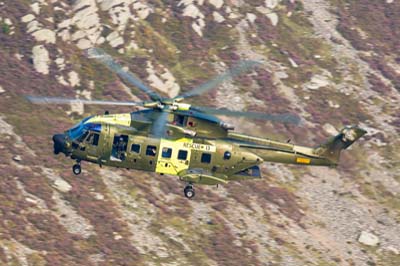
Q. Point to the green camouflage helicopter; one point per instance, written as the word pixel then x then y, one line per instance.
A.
pixel 175 138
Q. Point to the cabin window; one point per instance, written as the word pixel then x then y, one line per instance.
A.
pixel 93 139
pixel 135 148
pixel 227 155
pixel 166 152
pixel 206 158
pixel 151 150
pixel 182 155
pixel 120 144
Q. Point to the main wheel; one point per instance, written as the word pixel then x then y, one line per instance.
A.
pixel 189 192
pixel 76 169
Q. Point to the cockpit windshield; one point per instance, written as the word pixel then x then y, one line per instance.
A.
pixel 80 130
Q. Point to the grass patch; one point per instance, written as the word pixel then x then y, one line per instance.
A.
pixel 5 28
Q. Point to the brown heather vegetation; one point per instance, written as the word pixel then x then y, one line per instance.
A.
pixel 207 230
pixel 380 32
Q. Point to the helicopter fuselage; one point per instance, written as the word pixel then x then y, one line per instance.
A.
pixel 188 150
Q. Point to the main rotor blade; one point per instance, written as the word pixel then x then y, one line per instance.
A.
pixel 283 118
pixel 231 73
pixel 60 100
pixel 109 62
pixel 159 125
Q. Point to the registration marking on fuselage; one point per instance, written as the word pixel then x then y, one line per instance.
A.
pixel 199 147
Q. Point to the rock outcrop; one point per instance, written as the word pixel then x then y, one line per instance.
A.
pixel 41 59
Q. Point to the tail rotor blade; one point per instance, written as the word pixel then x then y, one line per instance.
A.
pixel 110 63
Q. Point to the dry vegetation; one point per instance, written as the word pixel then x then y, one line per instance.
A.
pixel 293 216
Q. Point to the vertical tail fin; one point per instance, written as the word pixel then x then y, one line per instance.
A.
pixel 332 148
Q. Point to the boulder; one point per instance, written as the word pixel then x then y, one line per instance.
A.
pixel 27 18
pixel 216 3
pixel 142 10
pixel 41 59
pixel 108 4
pixel 45 35
pixel 114 39
pixel 17 158
pixel 165 82
pixel 87 18
pixel 64 35
pixel 251 17
pixel 273 17
pixel 368 239
pixel 65 24
pixel 98 196
pixel 120 16
pixel 331 130
pixel 198 26
pixel 185 2
pixel 73 79
pixel 60 61
pixel 8 22
pixel 333 105
pixel 192 11
pixel 78 35
pixel 317 81
pixel 79 4
pixel 84 44
pixel 2 90
pixel 271 4
pixel 293 63
pixel 35 8
pixel 33 26
pixel 62 81
pixel 393 250
pixel 62 185
pixel 218 17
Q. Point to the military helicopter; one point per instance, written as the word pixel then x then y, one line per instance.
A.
pixel 175 138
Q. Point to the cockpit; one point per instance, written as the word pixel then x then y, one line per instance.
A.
pixel 84 130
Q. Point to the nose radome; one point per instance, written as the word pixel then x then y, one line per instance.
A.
pixel 59 143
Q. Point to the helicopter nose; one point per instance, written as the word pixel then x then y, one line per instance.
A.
pixel 59 143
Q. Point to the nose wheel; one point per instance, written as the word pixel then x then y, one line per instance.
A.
pixel 76 169
pixel 189 191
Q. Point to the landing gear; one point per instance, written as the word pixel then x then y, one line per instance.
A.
pixel 76 169
pixel 189 191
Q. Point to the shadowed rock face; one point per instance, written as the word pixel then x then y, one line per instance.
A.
pixel 330 62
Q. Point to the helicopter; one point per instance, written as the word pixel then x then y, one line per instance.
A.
pixel 170 137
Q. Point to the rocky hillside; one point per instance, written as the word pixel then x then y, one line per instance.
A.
pixel 333 62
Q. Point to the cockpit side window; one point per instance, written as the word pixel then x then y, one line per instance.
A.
pixel 83 136
pixel 93 139
pixel 78 130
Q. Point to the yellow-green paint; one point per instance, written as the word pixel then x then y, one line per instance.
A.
pixel 173 165
pixel 115 119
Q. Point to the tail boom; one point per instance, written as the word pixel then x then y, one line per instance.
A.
pixel 326 154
